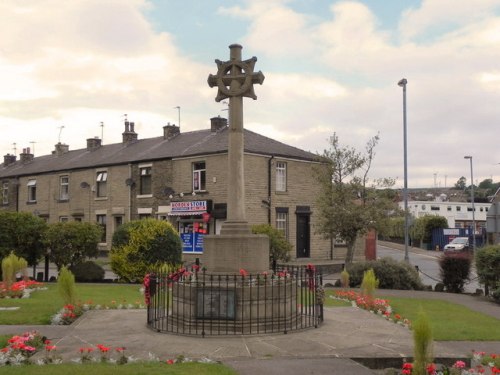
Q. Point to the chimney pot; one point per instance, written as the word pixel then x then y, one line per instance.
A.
pixel 61 149
pixel 217 123
pixel 9 159
pixel 93 143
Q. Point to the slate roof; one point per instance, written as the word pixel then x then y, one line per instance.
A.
pixel 200 142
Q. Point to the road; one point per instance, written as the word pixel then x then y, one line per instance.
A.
pixel 427 264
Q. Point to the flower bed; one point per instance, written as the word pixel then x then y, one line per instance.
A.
pixel 375 305
pixel 19 289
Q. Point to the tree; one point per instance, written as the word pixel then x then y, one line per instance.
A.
pixel 422 228
pixel 348 206
pixel 279 247
pixel 72 242
pixel 22 233
pixel 461 183
pixel 139 245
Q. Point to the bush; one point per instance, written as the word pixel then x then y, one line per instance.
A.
pixel 390 273
pixel 279 247
pixel 455 270
pixel 66 286
pixel 88 272
pixel 422 341
pixel 369 283
pixel 488 267
pixel 140 245
pixel 496 295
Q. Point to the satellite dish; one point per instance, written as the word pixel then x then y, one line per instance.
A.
pixel 129 182
pixel 84 185
pixel 168 191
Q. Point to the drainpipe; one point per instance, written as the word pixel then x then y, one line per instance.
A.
pixel 129 211
pixel 269 179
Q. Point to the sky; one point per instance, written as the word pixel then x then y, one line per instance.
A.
pixel 330 67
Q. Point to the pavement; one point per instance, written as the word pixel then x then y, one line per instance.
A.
pixel 350 341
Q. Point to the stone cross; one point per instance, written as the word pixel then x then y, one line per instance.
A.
pixel 235 79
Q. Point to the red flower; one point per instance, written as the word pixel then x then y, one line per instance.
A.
pixel 170 362
pixel 431 369
pixel 243 272
pixel 50 348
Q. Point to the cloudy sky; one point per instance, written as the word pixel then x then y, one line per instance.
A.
pixel 330 66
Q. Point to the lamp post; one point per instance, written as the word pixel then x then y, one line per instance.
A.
pixel 472 201
pixel 402 83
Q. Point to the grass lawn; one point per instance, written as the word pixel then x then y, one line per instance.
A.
pixel 449 321
pixel 149 368
pixel 43 304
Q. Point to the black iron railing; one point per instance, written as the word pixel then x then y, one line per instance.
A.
pixel 192 301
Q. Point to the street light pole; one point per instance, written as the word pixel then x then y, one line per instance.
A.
pixel 402 83
pixel 472 201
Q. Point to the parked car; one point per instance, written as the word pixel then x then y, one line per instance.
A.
pixel 457 244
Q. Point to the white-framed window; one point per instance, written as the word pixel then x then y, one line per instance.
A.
pixel 280 176
pixel 145 181
pixel 64 188
pixel 5 193
pixel 199 176
pixel 31 190
pixel 101 220
pixel 101 183
pixel 63 219
pixel 282 220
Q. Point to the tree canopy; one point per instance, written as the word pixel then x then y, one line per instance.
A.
pixel 349 204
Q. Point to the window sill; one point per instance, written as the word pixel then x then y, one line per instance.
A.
pixel 101 198
pixel 281 192
pixel 144 196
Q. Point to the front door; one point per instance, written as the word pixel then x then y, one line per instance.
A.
pixel 303 236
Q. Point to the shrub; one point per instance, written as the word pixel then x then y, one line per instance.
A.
pixel 12 265
pixel 141 244
pixel 66 286
pixel 344 278
pixel 390 273
pixel 488 267
pixel 422 341
pixel 369 283
pixel 455 270
pixel 88 272
pixel 496 295
pixel 279 247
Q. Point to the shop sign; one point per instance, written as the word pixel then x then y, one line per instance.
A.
pixel 192 206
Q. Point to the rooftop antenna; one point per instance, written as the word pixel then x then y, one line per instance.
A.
pixel 179 115
pixel 33 146
pixel 102 132
pixel 60 131
pixel 15 148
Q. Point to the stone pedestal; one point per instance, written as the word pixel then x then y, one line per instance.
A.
pixel 236 249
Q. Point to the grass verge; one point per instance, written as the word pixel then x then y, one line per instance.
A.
pixel 43 304
pixel 147 368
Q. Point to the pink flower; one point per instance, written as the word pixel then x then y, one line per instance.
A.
pixel 459 364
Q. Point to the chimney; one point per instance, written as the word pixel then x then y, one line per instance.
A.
pixel 93 143
pixel 61 149
pixel 26 156
pixel 8 159
pixel 129 135
pixel 170 131
pixel 217 123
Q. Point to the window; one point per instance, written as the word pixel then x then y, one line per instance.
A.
pixel 449 208
pixel 64 188
pixel 280 176
pixel 5 193
pixel 32 191
pixel 470 209
pixel 101 220
pixel 118 221
pixel 435 208
pixel 63 219
pixel 101 179
pixel 145 187
pixel 144 216
pixel 459 208
pixel 282 220
pixel 199 176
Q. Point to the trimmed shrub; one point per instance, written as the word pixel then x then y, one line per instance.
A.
pixel 279 247
pixel 455 270
pixel 66 286
pixel 88 272
pixel 139 245
pixel 390 273
pixel 369 283
pixel 488 267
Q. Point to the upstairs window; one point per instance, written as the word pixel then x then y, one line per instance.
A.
pixel 101 182
pixel 280 176
pixel 5 193
pixel 32 191
pixel 64 188
pixel 199 176
pixel 145 181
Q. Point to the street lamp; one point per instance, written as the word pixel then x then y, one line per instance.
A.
pixel 402 83
pixel 472 200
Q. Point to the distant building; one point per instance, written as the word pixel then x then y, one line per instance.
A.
pixel 179 177
pixel 458 214
pixel 493 220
